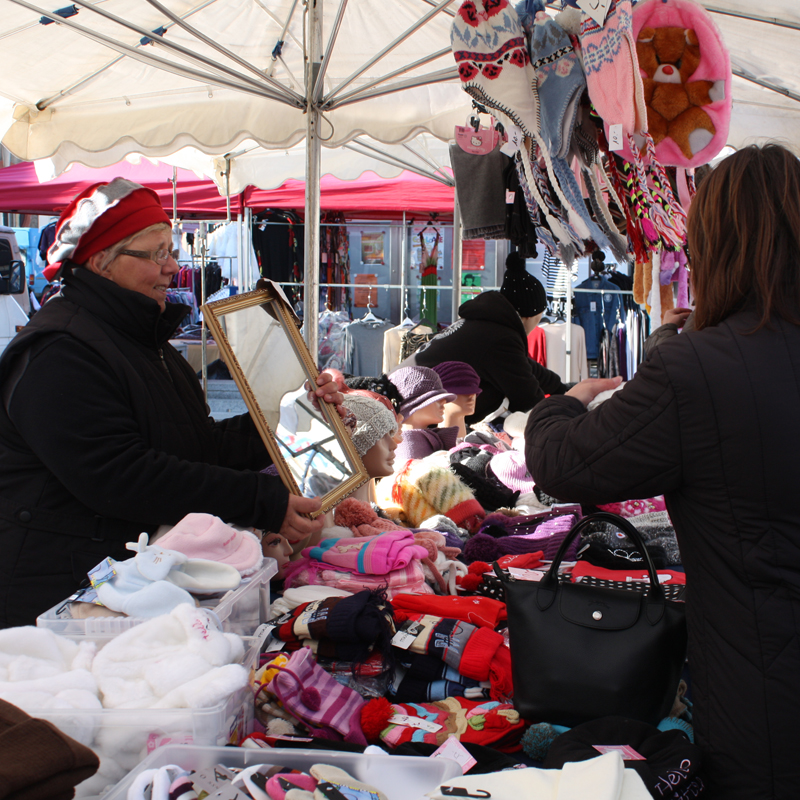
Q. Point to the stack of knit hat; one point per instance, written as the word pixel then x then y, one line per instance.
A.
pixel 428 487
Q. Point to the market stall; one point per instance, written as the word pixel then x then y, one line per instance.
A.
pixel 497 602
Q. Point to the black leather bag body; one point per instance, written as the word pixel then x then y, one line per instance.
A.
pixel 579 652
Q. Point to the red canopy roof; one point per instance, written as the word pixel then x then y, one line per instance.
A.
pixel 198 198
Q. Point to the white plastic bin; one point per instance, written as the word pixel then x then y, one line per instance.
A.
pixel 398 777
pixel 240 610
pixel 123 737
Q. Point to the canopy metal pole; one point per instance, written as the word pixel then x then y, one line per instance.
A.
pixel 174 194
pixel 240 254
pixel 313 153
pixel 203 329
pixel 568 332
pixel 456 299
pixel 404 309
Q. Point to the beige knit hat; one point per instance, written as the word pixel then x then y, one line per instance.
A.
pixel 373 421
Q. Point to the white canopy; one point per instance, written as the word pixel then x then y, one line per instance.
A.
pixel 87 89
pixel 154 76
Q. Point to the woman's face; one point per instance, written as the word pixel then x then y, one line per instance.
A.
pixel 142 275
pixel 274 545
pixel 379 459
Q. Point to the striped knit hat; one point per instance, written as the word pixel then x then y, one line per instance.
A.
pixel 425 488
pixel 612 68
pixel 101 216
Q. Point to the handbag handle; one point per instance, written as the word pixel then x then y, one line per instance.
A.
pixel 655 597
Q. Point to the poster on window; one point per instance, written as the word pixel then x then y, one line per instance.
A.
pixel 366 292
pixel 372 248
pixel 473 254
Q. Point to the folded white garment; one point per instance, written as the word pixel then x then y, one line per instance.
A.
pixel 144 664
pixel 601 778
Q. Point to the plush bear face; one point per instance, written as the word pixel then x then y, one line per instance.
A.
pixel 668 55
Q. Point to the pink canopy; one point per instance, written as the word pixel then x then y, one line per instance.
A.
pixel 198 198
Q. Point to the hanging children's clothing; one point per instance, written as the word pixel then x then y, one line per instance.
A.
pixel 393 342
pixel 556 343
pixel 365 346
pixel 537 346
pixel 596 312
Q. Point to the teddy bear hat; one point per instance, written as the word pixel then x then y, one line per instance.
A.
pixel 686 71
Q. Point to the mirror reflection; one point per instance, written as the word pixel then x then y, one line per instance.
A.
pixel 272 367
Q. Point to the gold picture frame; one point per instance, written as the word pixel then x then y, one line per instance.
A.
pixel 244 335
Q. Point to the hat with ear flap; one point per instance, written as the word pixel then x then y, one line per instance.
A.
pixel 612 69
pixel 493 63
pixel 103 215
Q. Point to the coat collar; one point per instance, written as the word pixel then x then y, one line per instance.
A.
pixel 132 313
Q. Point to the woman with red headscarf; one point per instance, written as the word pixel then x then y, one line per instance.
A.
pixel 104 432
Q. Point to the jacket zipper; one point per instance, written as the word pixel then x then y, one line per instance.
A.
pixel 164 364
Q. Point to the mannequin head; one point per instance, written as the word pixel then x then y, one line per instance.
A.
pixel 430 414
pixel 379 459
pixel 423 396
pixel 374 432
pixel 462 380
pixel 274 545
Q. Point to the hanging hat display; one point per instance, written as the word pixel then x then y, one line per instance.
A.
pixel 686 73
pixel 491 52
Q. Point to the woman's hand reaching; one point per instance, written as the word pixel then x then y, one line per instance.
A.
pixel 588 389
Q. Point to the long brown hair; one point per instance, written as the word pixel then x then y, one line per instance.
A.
pixel 744 237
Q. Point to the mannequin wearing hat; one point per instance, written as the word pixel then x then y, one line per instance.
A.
pixel 491 336
pixel 104 431
pixel 461 380
pixel 424 402
pixel 373 428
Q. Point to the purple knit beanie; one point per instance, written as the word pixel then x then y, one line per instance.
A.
pixel 419 387
pixel 458 377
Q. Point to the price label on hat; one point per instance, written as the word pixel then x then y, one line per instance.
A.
pixel 455 751
pixel 615 137
pixel 414 722
pixel 596 9
pixel 515 138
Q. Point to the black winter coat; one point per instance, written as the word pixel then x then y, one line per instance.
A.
pixel 104 434
pixel 712 421
pixel 490 338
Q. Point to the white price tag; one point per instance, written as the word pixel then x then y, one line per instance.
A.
pixel 592 306
pixel 596 9
pixel 262 633
pixel 515 138
pixel 615 137
pixel 403 640
pixel 455 751
pixel 526 574
pixel 510 197
pixel 414 722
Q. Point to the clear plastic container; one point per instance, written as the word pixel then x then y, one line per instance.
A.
pixel 122 738
pixel 240 610
pixel 398 777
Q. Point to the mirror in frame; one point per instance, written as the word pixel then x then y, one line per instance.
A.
pixel 259 339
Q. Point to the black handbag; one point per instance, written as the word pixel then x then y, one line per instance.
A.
pixel 579 652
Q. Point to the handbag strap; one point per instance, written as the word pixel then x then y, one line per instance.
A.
pixel 655 597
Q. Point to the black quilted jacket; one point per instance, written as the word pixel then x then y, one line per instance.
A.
pixel 712 421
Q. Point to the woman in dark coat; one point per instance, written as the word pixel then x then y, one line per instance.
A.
pixel 712 421
pixel 492 337
pixel 104 432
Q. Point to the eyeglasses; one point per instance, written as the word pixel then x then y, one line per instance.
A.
pixel 159 256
